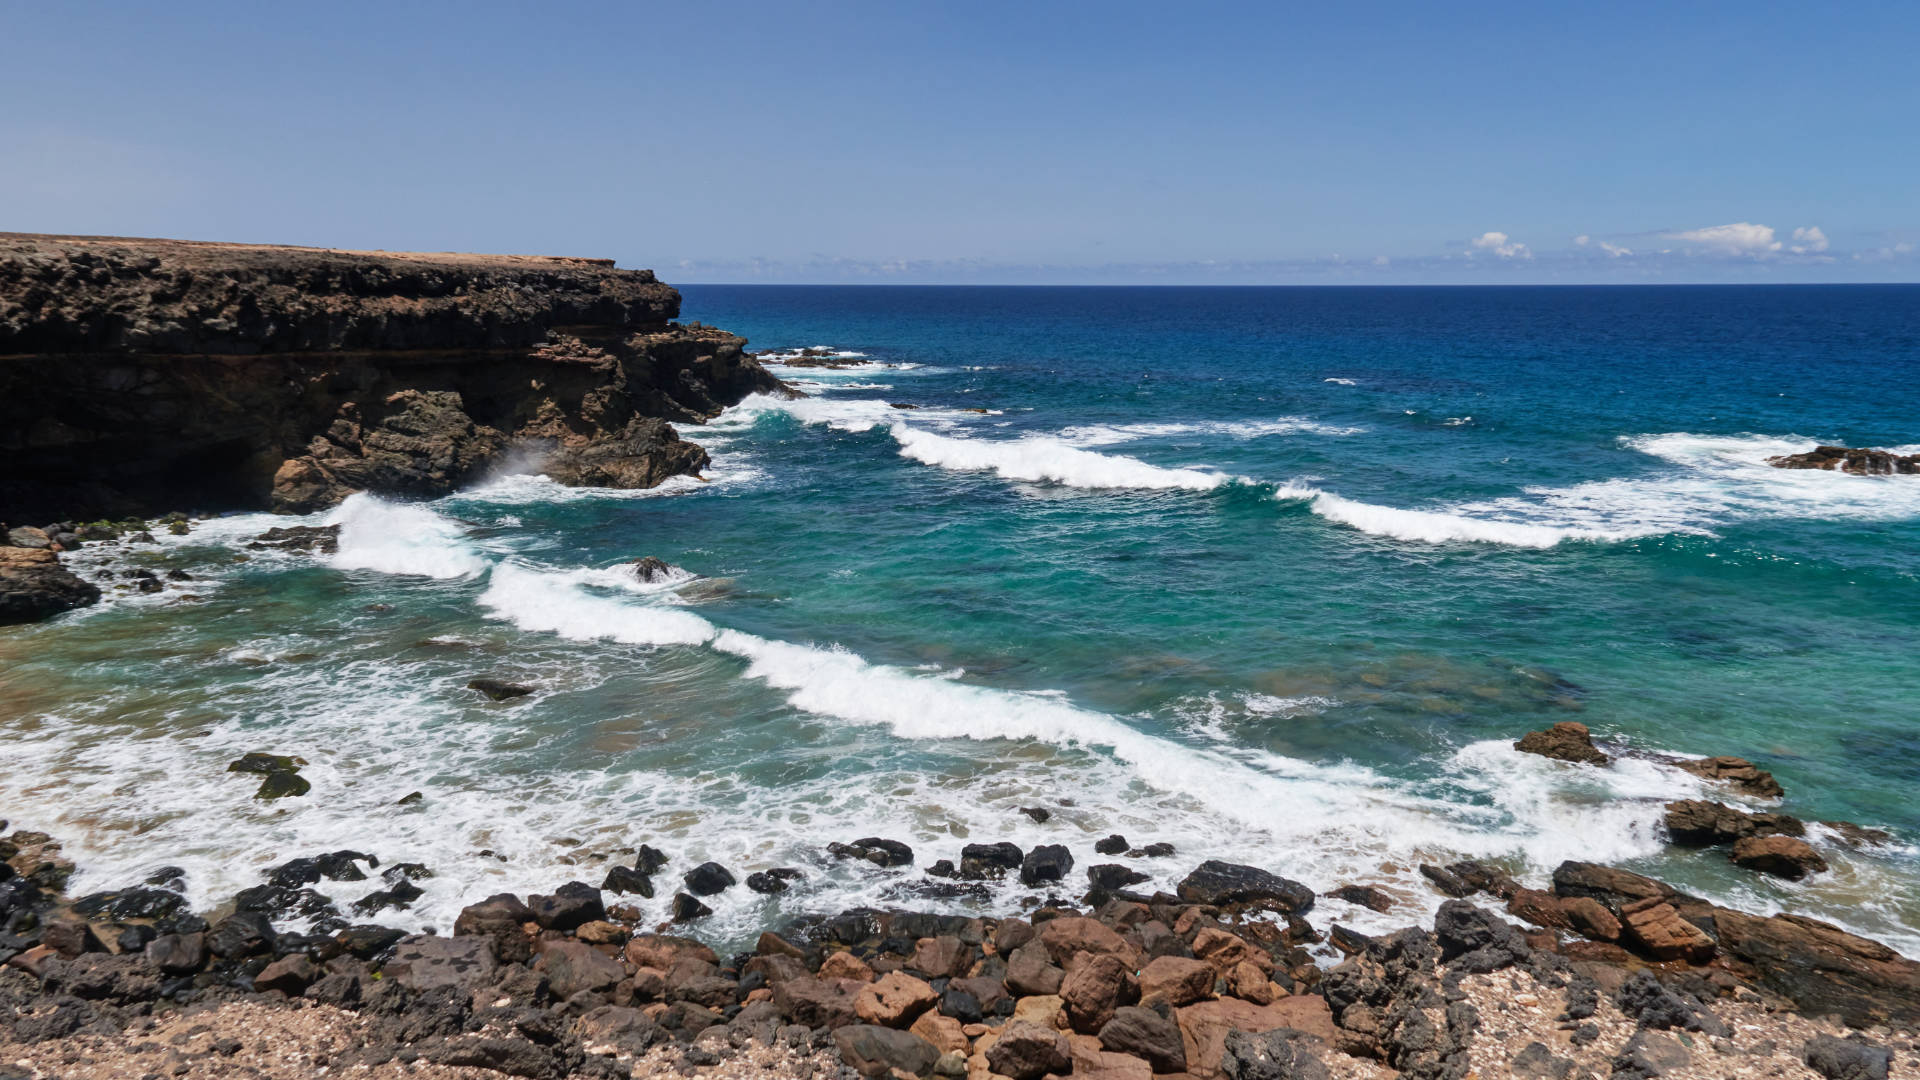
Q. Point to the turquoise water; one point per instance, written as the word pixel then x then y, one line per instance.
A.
pixel 1274 575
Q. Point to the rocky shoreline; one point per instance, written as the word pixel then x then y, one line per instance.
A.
pixel 1604 973
pixel 141 377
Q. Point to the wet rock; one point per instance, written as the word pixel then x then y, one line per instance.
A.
pixel 1859 460
pixel 1112 845
pixel 399 897
pixel 621 880
pixel 777 880
pixel 687 909
pixel 1146 1035
pixel 653 571
pixel 245 933
pixel 1367 896
pixel 321 539
pixel 570 906
pixel 1156 851
pixel 406 871
pixel 708 879
pixel 1218 884
pixel 873 849
pixel 500 689
pixel 1048 862
pixel 983 861
pixel 1847 1059
pixel 1611 887
pixel 280 774
pixel 1446 881
pixel 1039 814
pixel 1781 856
pixel 817 1003
pixel 131 904
pixel 1858 836
pixel 367 942
pixel 34 586
pixel 1567 740
pixel 1282 1054
pixel 499 919
pixel 650 860
pixel 1739 773
pixel 1027 1051
pixel 875 1052
pixel 1111 877
pixel 1699 823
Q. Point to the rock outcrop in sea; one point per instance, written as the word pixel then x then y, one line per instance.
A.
pixel 142 376
pixel 1854 459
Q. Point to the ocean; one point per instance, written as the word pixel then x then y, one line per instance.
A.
pixel 1274 575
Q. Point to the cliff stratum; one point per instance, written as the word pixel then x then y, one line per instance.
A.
pixel 141 376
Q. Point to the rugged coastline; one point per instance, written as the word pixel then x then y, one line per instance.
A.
pixel 140 377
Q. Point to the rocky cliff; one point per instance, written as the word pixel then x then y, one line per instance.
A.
pixel 139 376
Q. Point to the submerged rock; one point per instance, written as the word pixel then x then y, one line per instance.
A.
pixel 500 689
pixel 875 850
pixel 1861 460
pixel 651 570
pixel 317 539
pixel 1567 740
pixel 280 774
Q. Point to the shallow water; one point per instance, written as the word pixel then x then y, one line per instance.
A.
pixel 1274 575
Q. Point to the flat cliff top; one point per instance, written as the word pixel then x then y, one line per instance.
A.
pixel 210 254
pixel 119 295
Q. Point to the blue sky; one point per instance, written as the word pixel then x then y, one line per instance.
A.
pixel 1030 142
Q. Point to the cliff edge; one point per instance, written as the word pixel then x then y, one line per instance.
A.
pixel 139 376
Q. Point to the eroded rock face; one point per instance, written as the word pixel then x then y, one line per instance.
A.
pixel 136 375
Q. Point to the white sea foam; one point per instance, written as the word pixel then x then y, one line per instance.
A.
pixel 1114 434
pixel 401 538
pixel 1340 381
pixel 1038 459
pixel 1432 527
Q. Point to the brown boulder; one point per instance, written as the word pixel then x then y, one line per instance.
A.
pixel 1740 773
pixel 1091 1061
pixel 1540 908
pixel 1590 918
pixel 876 1052
pixel 664 951
pixel 1781 856
pixel 1249 983
pixel 1699 823
pixel 1567 740
pixel 845 965
pixel 1655 929
pixel 1027 1052
pixel 1611 887
pixel 1096 986
pixel 1226 951
pixel 1073 936
pixel 573 966
pixel 817 1002
pixel 895 1001
pixel 1030 972
pixel 1860 460
pixel 944 1032
pixel 1823 969
pixel 1204 1027
pixel 1176 981
pixel 945 956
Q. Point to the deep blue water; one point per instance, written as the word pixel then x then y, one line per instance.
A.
pixel 1275 574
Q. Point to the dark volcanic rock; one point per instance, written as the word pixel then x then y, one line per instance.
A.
pixel 1048 862
pixel 500 689
pixel 571 906
pixel 777 880
pixel 1823 969
pixel 687 909
pixel 34 586
pixel 873 849
pixel 873 1051
pixel 321 539
pixel 1847 1059
pixel 1852 459
pixel 709 879
pixel 1567 740
pixel 621 880
pixel 979 861
pixel 1218 884
pixel 295 376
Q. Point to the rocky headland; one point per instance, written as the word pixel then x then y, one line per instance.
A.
pixel 140 377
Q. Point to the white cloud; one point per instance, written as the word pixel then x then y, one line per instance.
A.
pixel 1615 250
pixel 1501 244
pixel 1809 239
pixel 1583 240
pixel 1740 238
